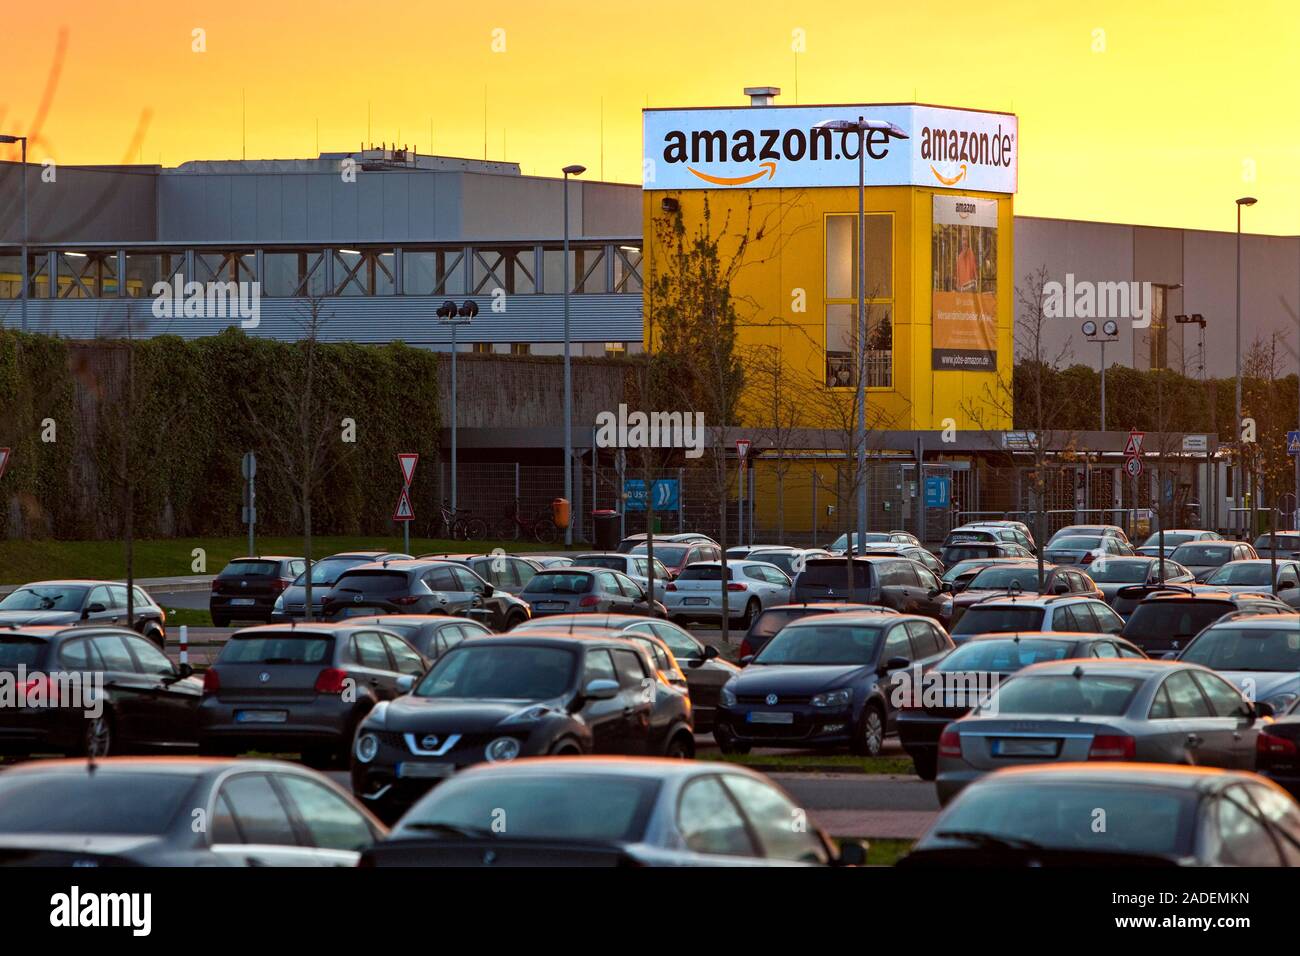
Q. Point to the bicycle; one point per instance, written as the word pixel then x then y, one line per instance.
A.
pixel 459 525
pixel 515 526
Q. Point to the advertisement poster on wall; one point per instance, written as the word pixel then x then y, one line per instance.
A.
pixel 964 317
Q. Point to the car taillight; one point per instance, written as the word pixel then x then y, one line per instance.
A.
pixel 216 584
pixel 1087 558
pixel 950 744
pixel 331 681
pixel 589 601
pixel 1273 746
pixel 211 681
pixel 1113 747
pixel 745 649
pixel 409 599
pixel 736 586
pixel 279 584
pixel 670 586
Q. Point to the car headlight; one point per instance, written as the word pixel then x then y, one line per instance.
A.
pixel 527 715
pixel 833 698
pixel 1280 702
pixel 367 747
pixel 503 748
pixel 279 603
pixel 728 697
pixel 378 715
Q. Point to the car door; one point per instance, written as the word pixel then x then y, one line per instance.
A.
pixel 606 719
pixel 1228 705
pixel 934 601
pixel 325 820
pixel 250 825
pixel 635 596
pixel 610 594
pixel 406 659
pixel 99 607
pixel 170 710
pixel 130 693
pixel 773 820
pixel 373 669
pixel 781 585
pixel 450 598
pixel 645 734
pixel 711 824
pixel 897 644
pixel 898 586
pixel 475 589
pixel 1207 738
pixel 929 645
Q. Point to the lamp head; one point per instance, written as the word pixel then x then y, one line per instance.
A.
pixel 1247 201
pixel 574 170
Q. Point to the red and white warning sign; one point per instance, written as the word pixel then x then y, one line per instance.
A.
pixel 404 511
pixel 1134 446
pixel 742 448
pixel 4 460
pixel 408 461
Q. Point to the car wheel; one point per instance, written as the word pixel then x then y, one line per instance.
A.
pixel 514 620
pixel 97 740
pixel 729 745
pixel 869 738
pixel 157 636
pixel 927 767
pixel 681 747
pixel 751 612
pixel 566 748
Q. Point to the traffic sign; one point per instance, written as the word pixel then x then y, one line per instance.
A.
pixel 1133 466
pixel 937 491
pixel 1292 447
pixel 1134 446
pixel 742 449
pixel 667 495
pixel 408 461
pixel 4 460
pixel 404 511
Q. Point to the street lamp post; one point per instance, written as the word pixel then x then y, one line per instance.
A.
pixel 574 170
pixel 1243 201
pixel 455 316
pixel 1109 333
pixel 862 126
pixel 23 140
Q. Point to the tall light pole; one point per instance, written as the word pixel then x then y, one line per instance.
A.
pixel 1241 458
pixel 455 316
pixel 1109 333
pixel 862 126
pixel 574 170
pixel 23 140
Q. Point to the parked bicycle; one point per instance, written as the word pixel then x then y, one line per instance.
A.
pixel 515 526
pixel 459 525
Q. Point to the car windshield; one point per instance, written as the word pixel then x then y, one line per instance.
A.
pixel 559 582
pixel 327 570
pixel 277 648
pixel 1063 816
pixel 1095 695
pixel 501 672
pixel 1123 572
pixel 1284 542
pixel 1075 542
pixel 373 582
pixel 44 598
pixel 250 569
pixel 1162 619
pixel 1202 554
pixel 704 572
pixel 611 561
pixel 961 552
pixel 1172 539
pixel 1247 649
pixel 570 806
pixel 1004 655
pixel 1005 576
pixel 999 619
pixel 829 573
pixel 821 644
pixel 1235 573
pixel 670 555
pixel 961 568
pixel 963 537
pixel 128 804
pixel 17 650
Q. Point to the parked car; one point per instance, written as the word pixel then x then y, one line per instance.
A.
pixel 505 572
pixel 1255 575
pixel 301 688
pixel 1169 616
pixel 143 812
pixel 956 551
pixel 1116 575
pixel 145 701
pixel 1022 579
pixel 1259 653
pixel 913 553
pixel 633 541
pixel 247 588
pixel 603 812
pixel 1173 538
pixel 1085 549
pixel 860 541
pixel 1286 545
pixel 788 559
pixel 1011 532
pixel 825 681
pixel 1203 558
pixel 1114 710
pixel 1277 755
pixel 587 591
pixel 429 586
pixel 768 624
pixel 1037 613
pixel 548 561
pixel 696 664
pixel 897 583
pixel 1156 815
pixel 542 693
pixel 677 555
pixel 291 605
pixel 1021 533
pixel 635 566
pixel 978 667
pixel 696 594
pixel 1091 531
pixel 959 575
pixel 91 602
pixel 432 635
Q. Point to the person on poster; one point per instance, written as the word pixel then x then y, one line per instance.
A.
pixel 967 264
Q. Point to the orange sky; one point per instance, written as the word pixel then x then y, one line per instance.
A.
pixel 1184 107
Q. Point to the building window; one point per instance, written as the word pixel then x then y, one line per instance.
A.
pixel 482 348
pixel 520 348
pixel 615 349
pixel 842 325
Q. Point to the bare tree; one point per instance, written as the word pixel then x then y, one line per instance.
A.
pixel 773 405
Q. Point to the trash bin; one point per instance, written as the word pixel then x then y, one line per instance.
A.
pixel 605 523
pixel 560 513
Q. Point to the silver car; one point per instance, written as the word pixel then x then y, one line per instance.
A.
pixel 1254 575
pixel 558 811
pixel 1153 711
pixel 1173 538
pixel 752 586
pixel 635 566
pixel 1203 558
pixel 1260 654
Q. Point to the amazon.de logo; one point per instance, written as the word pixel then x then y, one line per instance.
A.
pixel 951 152
pixel 765 149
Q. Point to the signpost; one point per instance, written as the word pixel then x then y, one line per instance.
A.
pixel 742 451
pixel 1133 463
pixel 404 512
pixel 249 469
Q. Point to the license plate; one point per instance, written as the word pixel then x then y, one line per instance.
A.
pixel 770 717
pixel 261 716
pixel 694 602
pixel 550 605
pixel 242 602
pixel 425 771
pixel 1025 748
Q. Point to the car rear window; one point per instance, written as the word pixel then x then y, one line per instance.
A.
pixel 1247 649
pixel 17 650
pixel 999 619
pixel 963 552
pixel 1124 572
pixel 1285 542
pixel 1004 656
pixel 130 804
pixel 603 561
pixel 1075 543
pixel 705 572
pixel 1004 576
pixel 966 537
pixel 667 554
pixel 830 573
pixel 250 569
pixel 1232 574
pixel 277 649
pixel 559 582
pixel 1202 554
pixel 1174 619
pixel 1097 695
pixel 373 582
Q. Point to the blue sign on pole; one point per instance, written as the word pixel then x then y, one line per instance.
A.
pixel 937 492
pixel 665 492
pixel 1293 443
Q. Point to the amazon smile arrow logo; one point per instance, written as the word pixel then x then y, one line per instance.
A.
pixel 949 180
pixel 768 170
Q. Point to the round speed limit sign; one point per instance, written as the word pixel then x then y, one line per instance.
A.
pixel 1133 466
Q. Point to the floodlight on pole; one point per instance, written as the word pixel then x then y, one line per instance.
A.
pixel 573 170
pixel 6 138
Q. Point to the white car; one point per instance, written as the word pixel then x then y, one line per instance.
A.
pixel 1173 538
pixel 789 559
pixel 752 586
pixel 635 566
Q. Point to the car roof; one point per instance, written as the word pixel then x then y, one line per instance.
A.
pixel 1170 593
pixel 820 605
pixel 872 618
pixel 180 765
pixel 563 621
pixel 1261 622
pixel 48 632
pixel 648 768
pixel 559 637
pixel 1031 599
pixel 322 628
pixel 1151 774
pixel 1108 667
pixel 1061 637
pixel 1266 561
pixel 62 582
pixel 404 619
pixel 268 557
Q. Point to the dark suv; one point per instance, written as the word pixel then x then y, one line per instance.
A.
pixel 247 588
pixel 422 587
pixel 897 583
pixel 1168 617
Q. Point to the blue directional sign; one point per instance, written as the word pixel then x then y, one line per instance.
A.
pixel 937 492
pixel 667 497
pixel 1293 443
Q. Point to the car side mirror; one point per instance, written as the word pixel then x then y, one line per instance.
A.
pixel 945 587
pixel 852 853
pixel 744 661
pixel 710 652
pixel 601 689
pixel 184 670
pixel 405 683
pixel 1061 588
pixel 894 664
pixel 1260 710
pixel 94 609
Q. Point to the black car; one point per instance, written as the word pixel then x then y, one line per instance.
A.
pixel 93 602
pixel 303 689
pixel 1277 750
pixel 1168 617
pixel 827 682
pixel 247 588
pixel 147 702
pixel 190 812
pixel 545 693
pixel 961 679
pixel 965 550
pixel 579 590
pixel 422 586
pixel 431 634
pixel 897 583
pixel 505 572
pixel 291 605
pixel 769 623
pixel 1287 545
